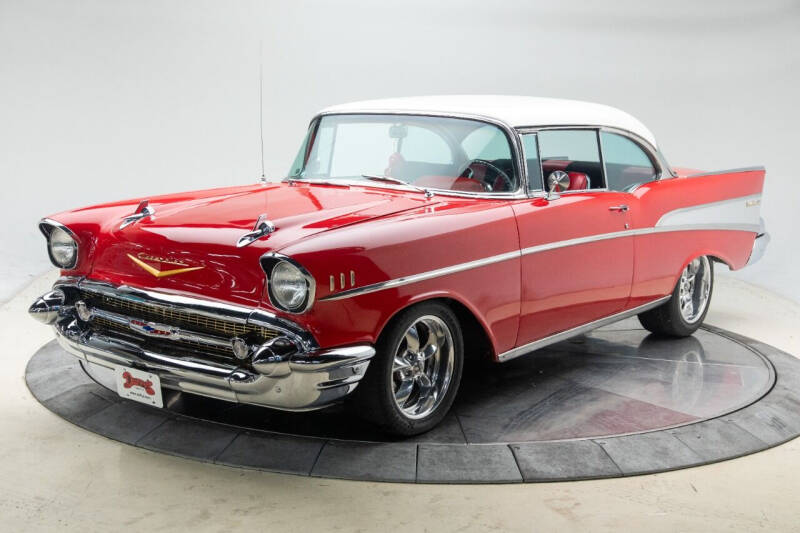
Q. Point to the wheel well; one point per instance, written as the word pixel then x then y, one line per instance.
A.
pixel 477 345
pixel 719 260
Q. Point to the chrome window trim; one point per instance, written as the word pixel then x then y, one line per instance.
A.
pixel 531 192
pixel 514 134
pixel 46 226
pixel 662 168
pixel 511 134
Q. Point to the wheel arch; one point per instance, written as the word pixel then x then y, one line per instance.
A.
pixel 478 341
pixel 715 256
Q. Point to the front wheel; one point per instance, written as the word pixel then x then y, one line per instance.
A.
pixel 682 314
pixel 413 378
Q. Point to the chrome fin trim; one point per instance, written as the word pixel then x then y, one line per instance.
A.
pixel 730 171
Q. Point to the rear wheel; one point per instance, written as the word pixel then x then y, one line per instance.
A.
pixel 682 314
pixel 413 378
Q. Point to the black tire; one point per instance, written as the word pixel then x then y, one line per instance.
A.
pixel 374 398
pixel 668 321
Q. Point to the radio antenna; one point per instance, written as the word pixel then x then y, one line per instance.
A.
pixel 261 105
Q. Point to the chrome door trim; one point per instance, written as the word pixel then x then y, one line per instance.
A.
pixel 557 337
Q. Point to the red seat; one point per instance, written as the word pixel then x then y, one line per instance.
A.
pixel 578 181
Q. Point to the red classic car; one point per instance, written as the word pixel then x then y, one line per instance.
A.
pixel 408 234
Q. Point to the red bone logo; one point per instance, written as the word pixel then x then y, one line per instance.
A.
pixel 131 381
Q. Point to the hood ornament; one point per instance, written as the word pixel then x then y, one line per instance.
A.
pixel 142 211
pixel 262 228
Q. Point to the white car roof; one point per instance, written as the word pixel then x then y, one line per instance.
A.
pixel 515 111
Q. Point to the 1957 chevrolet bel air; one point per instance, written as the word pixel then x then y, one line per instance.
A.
pixel 409 234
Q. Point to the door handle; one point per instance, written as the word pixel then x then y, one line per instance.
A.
pixel 621 208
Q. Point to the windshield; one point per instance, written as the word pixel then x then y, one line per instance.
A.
pixel 424 152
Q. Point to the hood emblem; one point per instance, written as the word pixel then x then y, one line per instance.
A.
pixel 142 211
pixel 157 272
pixel 263 227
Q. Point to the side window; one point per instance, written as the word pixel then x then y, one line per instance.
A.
pixel 531 148
pixel 575 153
pixel 626 163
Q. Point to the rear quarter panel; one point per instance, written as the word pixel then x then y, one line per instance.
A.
pixel 712 214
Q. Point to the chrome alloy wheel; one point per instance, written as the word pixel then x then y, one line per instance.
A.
pixel 695 289
pixel 423 367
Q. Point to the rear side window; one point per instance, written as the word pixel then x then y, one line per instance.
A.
pixel 626 162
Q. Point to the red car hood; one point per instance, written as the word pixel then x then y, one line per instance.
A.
pixel 189 245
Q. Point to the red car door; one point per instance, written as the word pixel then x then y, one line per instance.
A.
pixel 577 251
pixel 575 266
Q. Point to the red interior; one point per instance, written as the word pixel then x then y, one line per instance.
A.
pixel 577 181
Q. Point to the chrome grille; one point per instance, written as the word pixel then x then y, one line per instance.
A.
pixel 189 347
pixel 176 317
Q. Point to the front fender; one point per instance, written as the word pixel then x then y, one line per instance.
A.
pixel 448 233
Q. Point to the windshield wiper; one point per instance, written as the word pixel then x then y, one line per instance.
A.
pixel 389 179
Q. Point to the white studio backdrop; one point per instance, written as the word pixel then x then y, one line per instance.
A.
pixel 104 100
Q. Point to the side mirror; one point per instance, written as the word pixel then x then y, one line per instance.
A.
pixel 557 181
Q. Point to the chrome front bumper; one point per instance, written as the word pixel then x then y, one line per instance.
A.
pixel 281 375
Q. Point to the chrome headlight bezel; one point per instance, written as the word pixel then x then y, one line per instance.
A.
pixel 51 229
pixel 272 261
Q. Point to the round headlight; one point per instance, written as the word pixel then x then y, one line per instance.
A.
pixel 63 248
pixel 289 287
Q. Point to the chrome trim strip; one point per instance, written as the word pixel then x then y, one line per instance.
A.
pixel 405 280
pixel 557 337
pixel 580 240
pixel 383 285
pixel 731 171
pixel 662 221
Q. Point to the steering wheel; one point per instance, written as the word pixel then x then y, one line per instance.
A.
pixel 479 173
